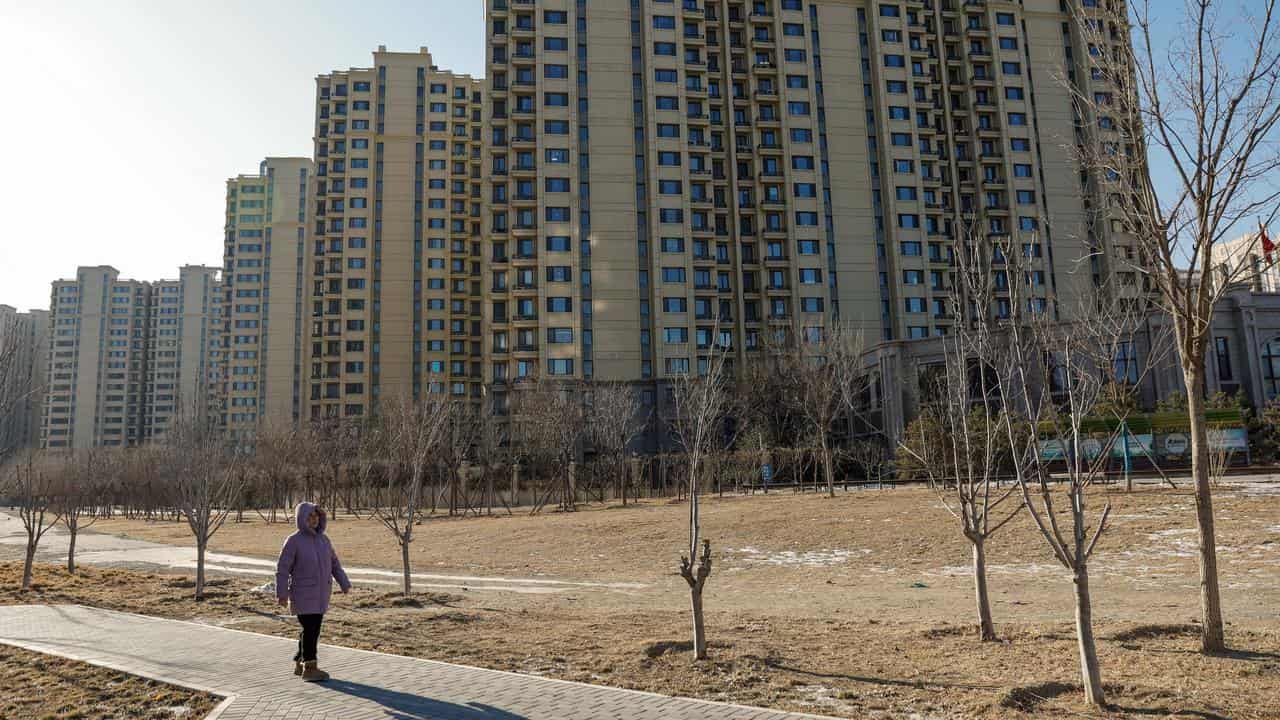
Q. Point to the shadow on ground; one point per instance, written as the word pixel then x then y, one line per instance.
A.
pixel 403 706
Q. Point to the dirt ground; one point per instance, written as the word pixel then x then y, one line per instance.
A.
pixel 867 553
pixel 857 606
pixel 51 688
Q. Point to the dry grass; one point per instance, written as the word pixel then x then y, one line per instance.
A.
pixel 786 554
pixel 51 688
pixel 878 631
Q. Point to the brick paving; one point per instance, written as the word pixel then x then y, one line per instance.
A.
pixel 255 674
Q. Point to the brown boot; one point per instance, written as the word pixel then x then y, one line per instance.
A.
pixel 297 667
pixel 311 673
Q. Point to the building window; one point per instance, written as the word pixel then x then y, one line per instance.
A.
pixel 1223 354
pixel 1271 368
pixel 1126 364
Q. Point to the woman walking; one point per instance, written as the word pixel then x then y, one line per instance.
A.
pixel 305 573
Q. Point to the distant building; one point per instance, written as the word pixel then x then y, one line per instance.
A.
pixel 264 264
pixel 393 294
pixel 1243 359
pixel 126 357
pixel 1253 264
pixel 22 384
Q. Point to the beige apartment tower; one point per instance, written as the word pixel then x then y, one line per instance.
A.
pixel 263 276
pixel 24 341
pixel 662 176
pixel 185 363
pixel 126 356
pixel 393 297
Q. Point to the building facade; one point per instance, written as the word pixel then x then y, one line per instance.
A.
pixel 23 349
pixel 1243 361
pixel 1249 261
pixel 186 361
pixel 124 353
pixel 264 263
pixel 393 296
pixel 663 177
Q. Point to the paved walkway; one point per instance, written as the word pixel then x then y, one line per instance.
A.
pixel 94 548
pixel 254 673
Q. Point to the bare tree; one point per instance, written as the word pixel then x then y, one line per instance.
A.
pixel 1220 454
pixel 616 418
pixel 550 423
pixel 278 451
pixel 965 461
pixel 1051 380
pixel 201 478
pixel 1205 105
pixel 32 485
pixel 83 476
pixel 493 445
pixel 872 457
pixel 406 435
pixel 826 363
pixel 17 383
pixel 700 426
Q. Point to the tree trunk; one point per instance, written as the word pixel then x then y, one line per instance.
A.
pixel 986 628
pixel 404 558
pixel 28 565
pixel 826 465
pixel 200 548
pixel 71 549
pixel 1090 674
pixel 699 627
pixel 1212 637
pixel 622 479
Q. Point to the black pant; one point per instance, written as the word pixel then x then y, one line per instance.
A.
pixel 308 638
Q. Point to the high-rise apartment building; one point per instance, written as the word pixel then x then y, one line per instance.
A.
pixel 663 176
pixel 185 354
pixel 23 351
pixel 393 299
pixel 263 278
pixel 125 353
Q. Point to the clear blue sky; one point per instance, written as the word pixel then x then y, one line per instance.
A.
pixel 124 118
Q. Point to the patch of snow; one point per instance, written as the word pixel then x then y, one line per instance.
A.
pixel 1256 489
pixel 1033 568
pixel 791 558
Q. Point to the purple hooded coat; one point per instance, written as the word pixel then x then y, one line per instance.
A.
pixel 308 566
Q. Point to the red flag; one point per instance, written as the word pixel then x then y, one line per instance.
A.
pixel 1267 245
